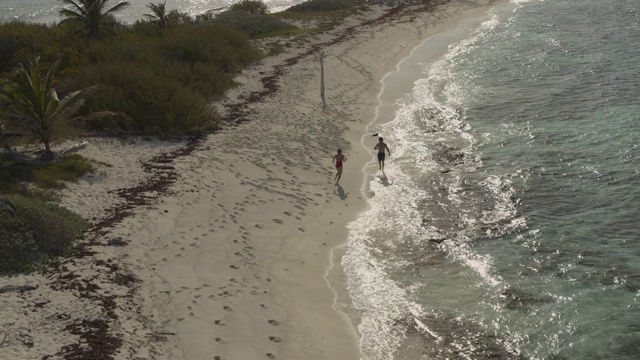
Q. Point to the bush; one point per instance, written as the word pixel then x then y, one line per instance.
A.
pixel 18 249
pixel 33 232
pixel 250 6
pixel 252 25
pixel 161 83
pixel 49 175
pixel 52 175
pixel 184 66
pixel 22 42
pixel 153 102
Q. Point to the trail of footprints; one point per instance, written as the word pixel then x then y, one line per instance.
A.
pixel 279 180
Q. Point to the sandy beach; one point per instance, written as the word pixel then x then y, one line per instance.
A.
pixel 227 246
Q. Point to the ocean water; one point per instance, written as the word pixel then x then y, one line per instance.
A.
pixel 46 11
pixel 506 223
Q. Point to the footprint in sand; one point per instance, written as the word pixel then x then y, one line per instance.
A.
pixel 227 308
pixel 277 221
pixel 221 340
pixel 275 339
pixel 274 322
pixel 271 355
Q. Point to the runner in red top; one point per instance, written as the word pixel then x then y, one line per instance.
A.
pixel 339 159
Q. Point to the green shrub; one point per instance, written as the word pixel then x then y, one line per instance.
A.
pixel 52 175
pixel 176 17
pixel 250 7
pixel 153 102
pixel 147 75
pixel 54 227
pixel 22 42
pixel 47 176
pixel 252 24
pixel 18 249
pixel 35 231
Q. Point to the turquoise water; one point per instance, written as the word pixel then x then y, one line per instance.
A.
pixel 506 225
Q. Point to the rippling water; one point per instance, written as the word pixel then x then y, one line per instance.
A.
pixel 506 225
pixel 46 11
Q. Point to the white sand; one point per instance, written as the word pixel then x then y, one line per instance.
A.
pixel 232 260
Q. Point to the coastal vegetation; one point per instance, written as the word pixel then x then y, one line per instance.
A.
pixel 34 232
pixel 92 15
pixel 33 105
pixel 90 73
pixel 253 7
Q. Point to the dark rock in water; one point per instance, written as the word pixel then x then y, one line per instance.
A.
pixel 517 299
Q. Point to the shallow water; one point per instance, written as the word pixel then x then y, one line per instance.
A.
pixel 506 223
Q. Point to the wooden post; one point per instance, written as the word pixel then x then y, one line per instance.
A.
pixel 324 103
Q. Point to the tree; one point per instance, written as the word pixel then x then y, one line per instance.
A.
pixel 250 6
pixel 92 14
pixel 159 14
pixel 32 104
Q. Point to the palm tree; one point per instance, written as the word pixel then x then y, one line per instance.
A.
pixel 159 14
pixel 90 13
pixel 32 104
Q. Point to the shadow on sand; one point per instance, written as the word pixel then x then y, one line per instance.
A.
pixel 340 192
pixel 384 180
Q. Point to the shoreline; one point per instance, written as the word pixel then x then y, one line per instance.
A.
pixel 239 256
pixel 396 85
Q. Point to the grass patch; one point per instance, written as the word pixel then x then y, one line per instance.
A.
pixel 15 177
pixel 54 175
pixel 253 24
pixel 31 232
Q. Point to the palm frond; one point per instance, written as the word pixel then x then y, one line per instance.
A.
pixel 118 7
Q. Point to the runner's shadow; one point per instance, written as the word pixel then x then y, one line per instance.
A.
pixel 340 192
pixel 384 180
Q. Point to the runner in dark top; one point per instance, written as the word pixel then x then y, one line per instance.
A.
pixel 381 147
